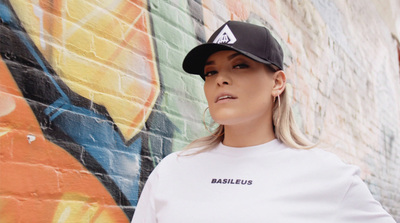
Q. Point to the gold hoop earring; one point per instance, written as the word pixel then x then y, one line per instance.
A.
pixel 279 108
pixel 204 121
pixel 205 125
pixel 279 102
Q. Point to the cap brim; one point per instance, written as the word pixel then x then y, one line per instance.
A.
pixel 195 60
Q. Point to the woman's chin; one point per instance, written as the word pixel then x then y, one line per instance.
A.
pixel 227 121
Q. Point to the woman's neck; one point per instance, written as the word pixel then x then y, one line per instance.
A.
pixel 248 134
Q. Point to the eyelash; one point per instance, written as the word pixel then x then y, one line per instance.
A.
pixel 241 66
pixel 237 66
pixel 210 73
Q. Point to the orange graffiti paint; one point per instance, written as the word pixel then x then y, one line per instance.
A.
pixel 39 181
pixel 102 50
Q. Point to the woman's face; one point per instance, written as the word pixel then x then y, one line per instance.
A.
pixel 238 89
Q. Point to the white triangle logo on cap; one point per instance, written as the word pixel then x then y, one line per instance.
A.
pixel 225 36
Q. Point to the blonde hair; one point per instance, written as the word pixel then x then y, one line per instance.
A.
pixel 284 124
pixel 285 127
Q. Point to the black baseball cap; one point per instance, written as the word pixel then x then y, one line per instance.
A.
pixel 253 41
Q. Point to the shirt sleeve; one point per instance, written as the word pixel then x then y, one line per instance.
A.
pixel 358 205
pixel 145 209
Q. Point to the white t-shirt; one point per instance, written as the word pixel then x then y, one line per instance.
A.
pixel 263 183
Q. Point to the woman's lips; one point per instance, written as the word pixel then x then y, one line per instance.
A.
pixel 225 97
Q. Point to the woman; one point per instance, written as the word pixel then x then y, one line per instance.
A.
pixel 256 167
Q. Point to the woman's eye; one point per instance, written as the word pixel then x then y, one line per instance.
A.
pixel 240 66
pixel 210 73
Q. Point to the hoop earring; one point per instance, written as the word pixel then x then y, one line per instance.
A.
pixel 204 121
pixel 279 102
pixel 205 126
pixel 279 108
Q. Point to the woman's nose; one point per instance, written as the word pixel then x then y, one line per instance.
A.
pixel 224 78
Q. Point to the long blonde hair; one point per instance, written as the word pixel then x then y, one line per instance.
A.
pixel 285 128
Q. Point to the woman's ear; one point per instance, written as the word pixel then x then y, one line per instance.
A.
pixel 279 84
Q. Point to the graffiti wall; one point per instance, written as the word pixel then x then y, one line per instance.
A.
pixel 78 84
pixel 93 96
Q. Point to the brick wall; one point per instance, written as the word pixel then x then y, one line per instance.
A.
pixel 92 94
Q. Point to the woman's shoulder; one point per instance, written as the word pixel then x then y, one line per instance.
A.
pixel 168 160
pixel 323 156
pixel 318 160
pixel 317 154
pixel 179 157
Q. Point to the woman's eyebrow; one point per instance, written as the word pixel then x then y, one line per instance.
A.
pixel 209 62
pixel 230 57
